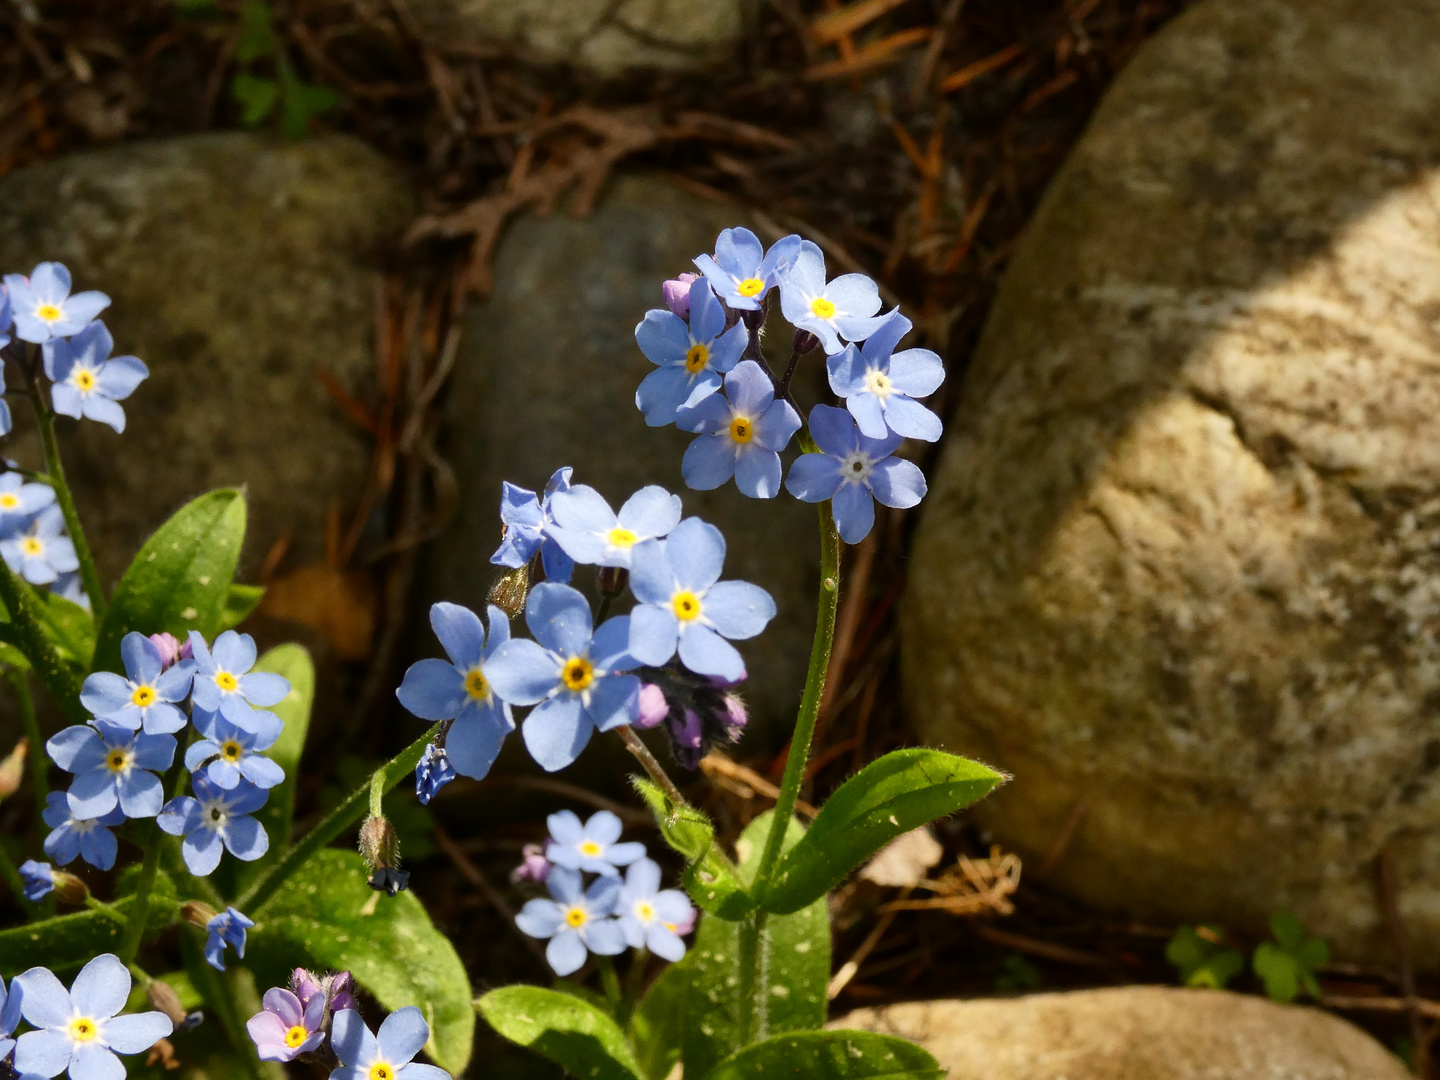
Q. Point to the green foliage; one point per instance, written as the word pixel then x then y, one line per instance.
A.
pixel 70 628
pixel 277 815
pixel 901 791
pixel 180 580
pixel 240 601
pixel 1287 965
pixel 830 1055
pixel 258 95
pixel 563 1028
pixel 68 941
pixel 1017 974
pixel 658 1025
pixel 325 916
pixel 414 826
pixel 1200 956
pixel 709 877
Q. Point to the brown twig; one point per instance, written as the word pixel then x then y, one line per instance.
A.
pixel 745 782
pixel 851 967
pixel 471 873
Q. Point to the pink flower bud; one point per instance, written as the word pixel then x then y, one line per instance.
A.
pixel 172 650
pixel 533 866
pixel 653 707
pixel 677 294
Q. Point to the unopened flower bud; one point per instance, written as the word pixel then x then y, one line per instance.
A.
pixel 340 991
pixel 677 294
pixel 653 707
pixel 69 889
pixel 197 913
pixel 164 999
pixel 389 880
pixel 533 867
pixel 612 580
pixel 380 848
pixel 698 711
pixel 12 769
pixel 172 650
pixel 509 593
pixel 804 342
pixel 736 716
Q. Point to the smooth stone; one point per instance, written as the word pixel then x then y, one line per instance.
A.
pixel 238 266
pixel 546 377
pixel 1133 1033
pixel 1178 563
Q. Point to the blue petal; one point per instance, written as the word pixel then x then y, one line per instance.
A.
pixel 141 794
pixel 868 414
pixel 696 552
pixel 605 937
pixel 738 609
pixel 560 618
pixel 651 578
pixel 76 749
pixel 625 854
pixel 707 316
pixel 522 673
pixel 43 1053
pixel 846 371
pixel 44 1001
pixel 98 848
pixel 180 816
pixel 352 1040
pixel 854 512
pixel 664 391
pixel 610 650
pixel 833 430
pixel 556 731
pixel 102 986
pixel 917 373
pixel 246 839
pixel 662 335
pixel 757 472
pixel 897 483
pixel 708 416
pixel 909 418
pixel 565 828
pixel 201 850
pixel 93 793
pixel 461 635
pixel 539 918
pixel 813 478
pixel 433 690
pixel 120 375
pixel 261 771
pixel 614 702
pixel 652 511
pixel 664 942
pixel 565 953
pixel 234 652
pixel 749 389
pixel 104 693
pixel 473 745
pixel 141 658
pixel 654 631
pixel 264 688
pixel 705 652
pixel 402 1035
pixel 136 1033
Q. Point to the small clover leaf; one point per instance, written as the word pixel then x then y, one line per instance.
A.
pixel 1287 965
pixel 1198 952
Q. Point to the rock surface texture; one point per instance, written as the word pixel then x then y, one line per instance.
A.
pixel 1134 1033
pixel 546 377
pixel 604 36
pixel 237 267
pixel 1181 559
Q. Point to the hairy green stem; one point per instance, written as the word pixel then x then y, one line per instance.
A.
pixel 24 608
pixel 338 820
pixel 608 979
pixel 114 915
pixel 39 770
pixel 89 576
pixel 154 845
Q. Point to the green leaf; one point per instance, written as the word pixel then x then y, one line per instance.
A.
pixel 68 941
pixel 830 1055
pixel 657 1027
pixel 277 815
pixel 181 578
pixel 1288 965
pixel 256 95
pixel 327 917
pixel 685 828
pixel 563 1028
pixel 257 36
pixel 797 950
pixel 709 877
pixel 899 792
pixel 1201 957
pixel 300 102
pixel 70 628
pixel 240 601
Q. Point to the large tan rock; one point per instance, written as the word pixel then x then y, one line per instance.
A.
pixel 1134 1033
pixel 1180 557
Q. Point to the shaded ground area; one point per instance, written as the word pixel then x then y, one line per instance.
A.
pixel 911 138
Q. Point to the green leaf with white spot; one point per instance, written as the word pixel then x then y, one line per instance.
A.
pixel 830 1055
pixel 68 941
pixel 326 917
pixel 563 1028
pixel 181 578
pixel 659 1021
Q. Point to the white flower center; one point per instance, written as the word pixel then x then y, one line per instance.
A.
pixel 878 383
pixel 214 815
pixel 856 467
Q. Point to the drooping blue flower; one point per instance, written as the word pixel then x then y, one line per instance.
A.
pixel 44 308
pixel 224 682
pixel 880 385
pixel 146 695
pixel 577 921
pixel 38 879
pixel 18 500
pixel 683 604
pixel 78 1029
pixel 590 847
pixel 690 358
pixel 525 516
pixel 88 381
pixel 387 1055
pixel 844 308
pixel 216 819
pixel 9 1018
pixel 575 675
pixel 74 837
pixel 651 916
pixel 593 534
pixel 229 753
pixel 853 471
pixel 38 551
pixel 741 271
pixel 287 1028
pixel 432 773
pixel 460 689
pixel 227 928
pixel 742 432
pixel 113 766
pixel 68 586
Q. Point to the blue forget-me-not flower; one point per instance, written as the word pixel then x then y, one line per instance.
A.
pixel 9 1018
pixel 40 552
pixel 742 271
pixel 74 837
pixel 88 381
pixel 18 500
pixel 590 847
pixel 145 695
pixel 432 773
pixel 577 921
pixel 459 689
pixel 113 766
pixel 684 605
pixel 44 308
pixel 690 358
pixel 79 1029
pixel 386 1055
pixel 38 878
pixel 650 916
pixel 852 471
pixel 593 534
pixel 229 753
pixel 844 308
pixel 224 682
pixel 572 675
pixel 742 432
pixel 525 516
pixel 216 819
pixel 227 928
pixel 880 385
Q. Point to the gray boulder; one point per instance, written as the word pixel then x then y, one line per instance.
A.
pixel 1179 562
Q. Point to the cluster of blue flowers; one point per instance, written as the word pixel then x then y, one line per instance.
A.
pixel 609 914
pixel 711 379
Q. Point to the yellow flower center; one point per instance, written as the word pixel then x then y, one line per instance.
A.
pixel 83 1029
pixel 116 761
pixel 751 286
pixel 84 380
pixel 48 312
pixel 295 1036
pixel 644 910
pixel 621 538
pixel 9 501
pixel 696 359
pixel 578 673
pixel 822 308
pixel 232 751
pixel 589 848
pixel 577 917
pixel 143 695
pixel 476 686
pixel 382 1070
pixel 686 605
pixel 878 383
pixel 32 545
pixel 669 926
pixel 742 430
pixel 226 681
